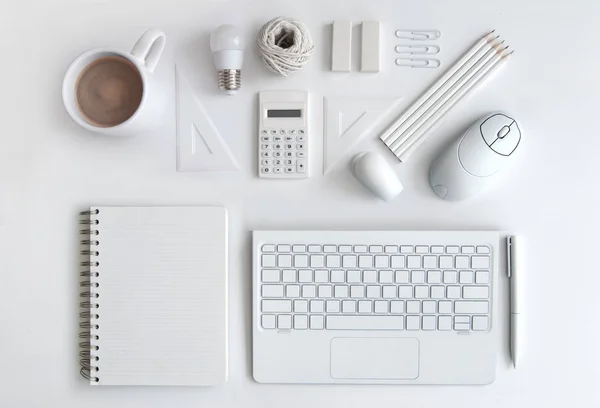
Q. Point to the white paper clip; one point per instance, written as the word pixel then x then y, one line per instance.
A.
pixel 418 35
pixel 417 49
pixel 418 63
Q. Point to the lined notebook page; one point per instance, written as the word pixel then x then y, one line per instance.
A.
pixel 163 296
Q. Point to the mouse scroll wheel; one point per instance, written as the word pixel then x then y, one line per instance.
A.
pixel 503 132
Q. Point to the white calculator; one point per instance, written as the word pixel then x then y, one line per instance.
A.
pixel 283 134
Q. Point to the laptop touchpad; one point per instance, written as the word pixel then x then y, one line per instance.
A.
pixel 381 358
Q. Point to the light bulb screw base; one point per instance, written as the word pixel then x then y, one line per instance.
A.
pixel 230 80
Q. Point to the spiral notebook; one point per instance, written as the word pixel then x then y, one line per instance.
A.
pixel 155 312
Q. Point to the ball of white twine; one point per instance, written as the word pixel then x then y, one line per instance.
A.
pixel 285 45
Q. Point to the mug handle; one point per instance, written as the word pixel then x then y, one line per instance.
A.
pixel 149 48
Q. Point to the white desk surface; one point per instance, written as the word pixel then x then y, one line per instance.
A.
pixel 50 169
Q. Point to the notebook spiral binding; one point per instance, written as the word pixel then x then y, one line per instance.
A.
pixel 89 316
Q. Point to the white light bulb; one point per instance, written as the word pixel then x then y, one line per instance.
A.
pixel 227 45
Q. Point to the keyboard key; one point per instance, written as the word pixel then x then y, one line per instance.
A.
pixel 438 292
pixel 317 261
pixel 453 292
pixel 321 276
pixel 461 262
pixel 268 261
pixel 333 306
pixel 300 261
pixel 413 261
pixel 417 277
pixel 317 306
pixel 314 248
pixel 349 261
pixel 270 275
pixel 481 277
pixel 305 276
pixel 268 321
pixel 300 322
pixel 365 261
pixel 401 277
pixel 289 275
pixel 422 249
pixel 268 248
pixel 452 249
pixel 434 277
pixel 428 322
pixel 413 322
pixel 272 291
pixel 373 292
pixel 465 277
pixel 357 291
pixel 348 306
pixel 298 248
pixel 389 249
pixel 444 323
pixel 397 306
pixel 413 306
pixel 365 322
pixel 480 262
pixel 329 249
pixel 462 323
pixel 284 261
pixel 406 249
pixel 345 249
pixel 284 322
pixel 292 291
pixel 398 261
pixel 382 261
pixel 375 249
pixel 444 307
pixel 421 292
pixel 473 307
pixel 386 277
pixel 370 276
pixel 430 262
pixel 429 307
pixel 381 306
pixel 360 249
pixel 300 306
pixel 446 262
pixel 450 277
pixel 437 249
pixel 483 250
pixel 353 276
pixel 405 292
pixel 333 261
pixel 340 291
pixel 364 306
pixel 276 306
pixel 317 322
pixel 480 323
pixel 467 250
pixel 338 276
pixel 325 291
pixel 389 292
pixel 476 292
pixel 309 291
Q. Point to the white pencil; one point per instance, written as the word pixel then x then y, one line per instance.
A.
pixel 469 58
pixel 404 151
pixel 439 101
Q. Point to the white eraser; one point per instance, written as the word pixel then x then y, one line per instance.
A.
pixel 369 61
pixel 341 46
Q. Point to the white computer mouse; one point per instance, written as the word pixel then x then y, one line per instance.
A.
pixel 377 175
pixel 470 163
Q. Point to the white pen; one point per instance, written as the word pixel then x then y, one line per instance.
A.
pixel 514 265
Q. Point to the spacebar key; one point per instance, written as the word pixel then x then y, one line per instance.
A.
pixel 365 322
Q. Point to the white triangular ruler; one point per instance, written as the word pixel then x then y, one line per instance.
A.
pixel 348 120
pixel 200 146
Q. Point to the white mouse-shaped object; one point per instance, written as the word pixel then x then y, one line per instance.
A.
pixel 377 175
pixel 471 162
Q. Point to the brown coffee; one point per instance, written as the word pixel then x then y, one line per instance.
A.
pixel 109 91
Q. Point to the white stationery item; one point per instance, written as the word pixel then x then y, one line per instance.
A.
pixel 464 75
pixel 341 46
pixel 515 273
pixel 200 146
pixel 227 46
pixel 376 175
pixel 375 307
pixel 144 57
pixel 418 62
pixel 283 131
pixel 418 35
pixel 155 307
pixel 417 49
pixel 348 120
pixel 370 47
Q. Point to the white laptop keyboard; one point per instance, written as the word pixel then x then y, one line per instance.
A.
pixel 365 286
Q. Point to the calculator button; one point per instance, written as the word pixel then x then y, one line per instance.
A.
pixel 301 166
pixel 277 162
pixel 277 138
pixel 289 154
pixel 265 138
pixel 293 132
pixel 266 154
pixel 273 132
pixel 278 170
pixel 289 138
pixel 289 146
pixel 289 170
pixel 266 170
pixel 289 162
pixel 283 131
pixel 301 155
pixel 265 146
pixel 277 146
pixel 301 138
pixel 277 154
pixel 301 132
pixel 301 146
pixel 265 162
pixel 265 132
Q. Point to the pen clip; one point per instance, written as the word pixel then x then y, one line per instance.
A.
pixel 509 255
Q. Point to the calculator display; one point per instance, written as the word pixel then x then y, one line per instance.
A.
pixel 284 113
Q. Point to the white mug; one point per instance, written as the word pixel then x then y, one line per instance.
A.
pixel 144 57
